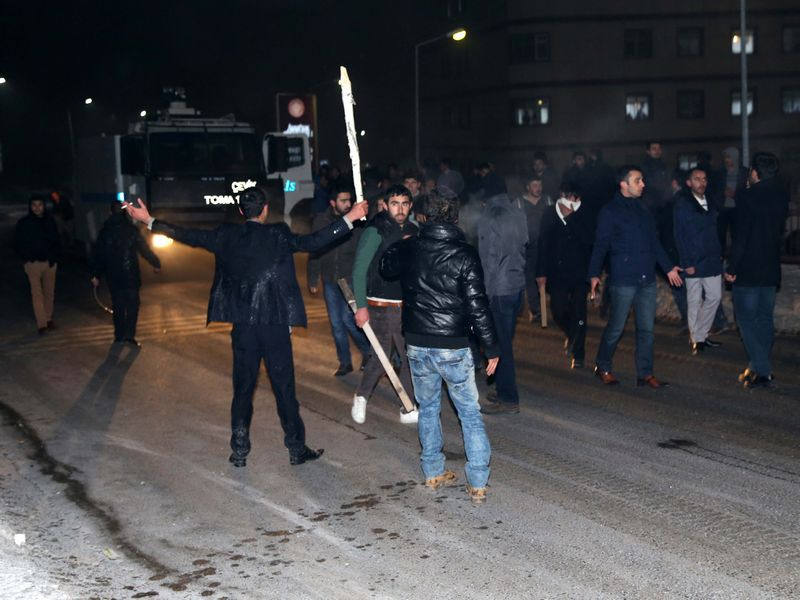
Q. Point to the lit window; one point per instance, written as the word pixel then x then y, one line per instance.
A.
pixel 736 42
pixel 736 103
pixel 530 111
pixel 791 101
pixel 638 107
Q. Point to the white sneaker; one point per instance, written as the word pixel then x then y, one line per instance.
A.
pixel 409 417
pixel 359 410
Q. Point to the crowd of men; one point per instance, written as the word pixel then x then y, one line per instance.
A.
pixel 440 271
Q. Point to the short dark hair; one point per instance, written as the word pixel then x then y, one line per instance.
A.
pixel 340 187
pixel 413 174
pixel 36 198
pixel 441 205
pixel 570 189
pixel 696 168
pixel 398 189
pixel 252 202
pixel 540 155
pixel 578 153
pixel 624 171
pixel 651 142
pixel 446 162
pixel 533 177
pixel 765 164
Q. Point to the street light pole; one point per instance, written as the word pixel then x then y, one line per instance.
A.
pixel 456 35
pixel 744 103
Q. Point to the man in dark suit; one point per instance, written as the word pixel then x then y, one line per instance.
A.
pixel 255 288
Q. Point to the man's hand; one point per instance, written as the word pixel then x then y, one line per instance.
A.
pixel 674 278
pixel 362 316
pixel 541 281
pixel 137 210
pixel 565 210
pixel 730 278
pixel 689 270
pixel 491 365
pixel 595 284
pixel 359 211
pixel 313 289
pixel 95 281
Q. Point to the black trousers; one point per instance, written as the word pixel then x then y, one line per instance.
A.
pixel 568 306
pixel 272 344
pixel 125 303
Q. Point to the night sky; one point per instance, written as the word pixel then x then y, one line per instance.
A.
pixel 231 56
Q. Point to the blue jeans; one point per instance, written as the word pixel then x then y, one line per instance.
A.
pixel 754 308
pixel 429 366
pixel 643 299
pixel 342 323
pixel 504 311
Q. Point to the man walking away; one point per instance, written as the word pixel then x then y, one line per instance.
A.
pixel 115 256
pixel 443 300
pixel 331 264
pixel 502 242
pixel 37 243
pixel 754 266
pixel 534 204
pixel 255 288
pixel 695 230
pixel 626 232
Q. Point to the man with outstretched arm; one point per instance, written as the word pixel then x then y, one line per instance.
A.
pixel 255 288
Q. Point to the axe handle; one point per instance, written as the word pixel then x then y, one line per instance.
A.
pixel 378 349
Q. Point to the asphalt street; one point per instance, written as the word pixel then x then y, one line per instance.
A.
pixel 113 464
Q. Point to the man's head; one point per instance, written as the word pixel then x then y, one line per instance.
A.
pixel 570 191
pixel 36 205
pixel 441 205
pixel 697 181
pixel 341 199
pixel 483 169
pixel 653 149
pixel 444 165
pixel 765 165
pixel 539 162
pixel 398 203
pixel 534 186
pixel 579 159
pixel 413 181
pixel 631 181
pixel 253 202
pixel 730 158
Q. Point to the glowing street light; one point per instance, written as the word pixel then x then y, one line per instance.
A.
pixel 88 101
pixel 2 80
pixel 457 35
pixel 143 114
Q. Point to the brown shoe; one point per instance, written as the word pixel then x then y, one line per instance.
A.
pixel 607 377
pixel 446 478
pixel 651 381
pixel 477 495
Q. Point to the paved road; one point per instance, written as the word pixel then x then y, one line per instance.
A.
pixel 113 463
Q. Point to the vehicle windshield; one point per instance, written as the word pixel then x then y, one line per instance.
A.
pixel 204 153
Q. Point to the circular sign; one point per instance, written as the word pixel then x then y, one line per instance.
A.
pixel 297 108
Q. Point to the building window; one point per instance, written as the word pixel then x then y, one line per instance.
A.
pixel 736 103
pixel 530 111
pixel 690 41
pixel 736 41
pixel 638 107
pixel 457 116
pixel 691 104
pixel 688 160
pixel 791 100
pixel 638 43
pixel 791 39
pixel 528 48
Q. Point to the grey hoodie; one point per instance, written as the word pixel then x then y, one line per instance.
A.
pixel 502 243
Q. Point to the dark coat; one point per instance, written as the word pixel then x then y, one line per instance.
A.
pixel 116 251
pixel 564 249
pixel 626 233
pixel 335 260
pixel 760 224
pixel 442 280
pixel 696 238
pixel 502 245
pixel 36 239
pixel 254 279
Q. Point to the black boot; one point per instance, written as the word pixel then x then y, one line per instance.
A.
pixel 240 444
pixel 298 457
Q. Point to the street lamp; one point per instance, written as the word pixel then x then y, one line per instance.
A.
pixel 456 35
pixel 88 101
pixel 2 80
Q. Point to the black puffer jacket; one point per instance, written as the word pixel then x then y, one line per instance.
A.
pixel 115 255
pixel 443 291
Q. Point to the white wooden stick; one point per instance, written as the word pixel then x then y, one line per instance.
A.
pixel 350 126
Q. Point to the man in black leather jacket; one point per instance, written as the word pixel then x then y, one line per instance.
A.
pixel 255 288
pixel 115 256
pixel 443 300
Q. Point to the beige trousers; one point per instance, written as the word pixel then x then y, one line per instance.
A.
pixel 42 278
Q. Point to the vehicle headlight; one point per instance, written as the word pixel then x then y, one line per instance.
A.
pixel 161 241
